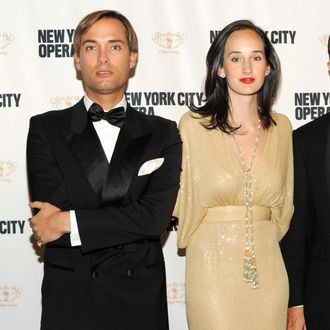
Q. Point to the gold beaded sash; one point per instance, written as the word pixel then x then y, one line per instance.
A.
pixel 236 213
pixel 239 213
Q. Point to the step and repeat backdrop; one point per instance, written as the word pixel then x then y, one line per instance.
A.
pixel 37 74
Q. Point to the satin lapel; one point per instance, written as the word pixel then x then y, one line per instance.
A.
pixel 86 147
pixel 125 161
pixel 327 157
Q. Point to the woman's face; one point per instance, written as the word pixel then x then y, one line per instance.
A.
pixel 244 64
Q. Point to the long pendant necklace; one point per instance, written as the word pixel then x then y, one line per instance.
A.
pixel 250 273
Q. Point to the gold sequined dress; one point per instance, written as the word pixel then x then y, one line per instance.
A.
pixel 211 214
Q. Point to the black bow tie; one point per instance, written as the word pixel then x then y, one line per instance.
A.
pixel 114 117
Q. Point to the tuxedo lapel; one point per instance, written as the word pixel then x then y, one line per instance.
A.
pixel 327 157
pixel 85 145
pixel 125 161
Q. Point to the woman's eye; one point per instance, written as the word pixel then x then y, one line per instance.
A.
pixel 235 59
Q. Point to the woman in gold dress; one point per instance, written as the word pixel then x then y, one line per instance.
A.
pixel 235 200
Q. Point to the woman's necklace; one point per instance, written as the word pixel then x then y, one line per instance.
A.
pixel 250 273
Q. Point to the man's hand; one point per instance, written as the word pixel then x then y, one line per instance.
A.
pixel 50 223
pixel 296 319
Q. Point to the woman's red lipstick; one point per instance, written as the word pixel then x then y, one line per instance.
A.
pixel 247 80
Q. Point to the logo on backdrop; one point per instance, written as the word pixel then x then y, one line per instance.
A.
pixel 275 36
pixel 175 293
pixel 10 227
pixel 62 102
pixel 324 39
pixel 6 40
pixel 311 105
pixel 55 43
pixel 10 100
pixel 9 295
pixel 7 169
pixel 169 42
pixel 146 101
pixel 281 36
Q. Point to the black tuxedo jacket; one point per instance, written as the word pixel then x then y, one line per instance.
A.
pixel 306 246
pixel 116 278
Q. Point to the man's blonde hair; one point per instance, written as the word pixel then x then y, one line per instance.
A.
pixel 86 23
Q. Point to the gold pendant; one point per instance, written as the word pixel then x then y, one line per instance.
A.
pixel 250 273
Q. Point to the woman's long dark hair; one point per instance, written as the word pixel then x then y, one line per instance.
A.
pixel 216 89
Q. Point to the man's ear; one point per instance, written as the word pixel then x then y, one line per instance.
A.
pixel 133 57
pixel 76 58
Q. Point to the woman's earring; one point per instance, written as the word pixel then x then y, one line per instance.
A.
pixel 222 75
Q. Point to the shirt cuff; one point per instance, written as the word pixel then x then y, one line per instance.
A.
pixel 74 235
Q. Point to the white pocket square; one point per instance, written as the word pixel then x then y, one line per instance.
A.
pixel 150 166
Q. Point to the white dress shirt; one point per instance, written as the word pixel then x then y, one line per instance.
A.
pixel 108 135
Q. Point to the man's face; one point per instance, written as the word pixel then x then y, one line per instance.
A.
pixel 105 60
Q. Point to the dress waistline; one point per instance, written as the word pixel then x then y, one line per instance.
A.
pixel 236 213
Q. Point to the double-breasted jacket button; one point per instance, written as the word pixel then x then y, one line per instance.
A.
pixel 95 274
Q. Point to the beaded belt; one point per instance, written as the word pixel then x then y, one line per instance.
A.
pixel 249 214
pixel 236 213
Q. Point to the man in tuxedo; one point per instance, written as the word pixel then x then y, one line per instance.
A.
pixel 104 183
pixel 306 246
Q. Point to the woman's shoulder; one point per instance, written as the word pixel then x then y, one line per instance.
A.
pixel 191 120
pixel 282 121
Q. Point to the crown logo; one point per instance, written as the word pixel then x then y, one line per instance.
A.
pixel 62 102
pixel 9 293
pixel 5 40
pixel 169 41
pixel 324 39
pixel 175 293
pixel 7 167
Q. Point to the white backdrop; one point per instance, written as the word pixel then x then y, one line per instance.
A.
pixel 37 74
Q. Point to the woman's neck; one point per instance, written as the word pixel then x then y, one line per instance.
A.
pixel 244 113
